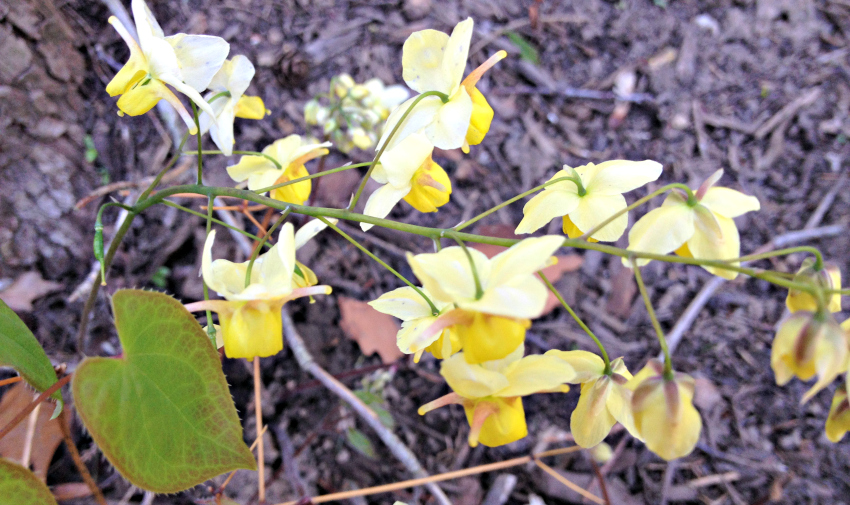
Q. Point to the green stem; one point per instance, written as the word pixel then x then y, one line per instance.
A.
pixel 247 153
pixel 200 148
pixel 210 325
pixel 418 99
pixel 313 176
pixel 578 320
pixel 479 292
pixel 357 244
pixel 262 241
pixel 782 252
pixel 146 193
pixel 214 220
pixel 635 205
pixel 668 364
pixel 512 200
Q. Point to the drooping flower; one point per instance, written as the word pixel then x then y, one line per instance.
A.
pixel 604 401
pixel 702 228
pixel 491 392
pixel 488 324
pixel 435 61
pixel 838 420
pixel 809 344
pixel 594 196
pixel 664 414
pixel 829 277
pixel 228 101
pixel 291 153
pixel 187 63
pixel 250 315
pixel 408 172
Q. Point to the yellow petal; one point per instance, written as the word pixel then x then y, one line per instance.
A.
pixel 447 129
pixel 828 278
pixel 422 61
pixel 142 98
pixel 132 71
pixel 668 421
pixel 547 205
pixel 838 420
pixel 382 201
pixel 706 243
pixel 469 380
pixel 587 365
pixel 482 116
pixel 594 208
pixel 403 303
pixel 447 344
pixel 251 107
pixel 400 164
pixel 304 277
pixel 789 355
pixel 620 176
pixel 489 338
pixel 253 329
pixel 591 422
pixel 447 274
pixel 523 259
pixel 661 231
pixel 506 425
pixel 728 202
pixel 430 189
pixel 297 193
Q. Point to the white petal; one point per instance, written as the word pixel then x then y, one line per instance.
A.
pixel 403 303
pixel 447 274
pixel 522 259
pixel 455 55
pixel 715 239
pixel 728 202
pixel 403 160
pixel 621 176
pixel 188 91
pixel 450 124
pixel 547 205
pixel 521 298
pixel 420 117
pixel 222 132
pixel 587 365
pixel 422 61
pixel 661 230
pixel 593 208
pixel 200 56
pixel 310 230
pixel 147 27
pixel 382 201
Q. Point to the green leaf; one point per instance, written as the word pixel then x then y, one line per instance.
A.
pixel 526 50
pixel 91 150
pixel 360 442
pixel 20 350
pixel 19 486
pixel 162 414
pixel 376 403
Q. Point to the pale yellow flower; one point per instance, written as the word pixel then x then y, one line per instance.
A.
pixel 408 172
pixel 435 61
pixel 491 392
pixel 604 401
pixel 233 78
pixel 664 413
pixel 599 197
pixel 703 228
pixel 828 278
pixel 809 344
pixel 838 420
pixel 187 63
pixel 291 152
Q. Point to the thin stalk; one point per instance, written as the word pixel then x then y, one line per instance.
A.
pixel 247 153
pixel 29 408
pixel 259 246
pixel 313 176
pixel 418 99
pixel 258 411
pixel 635 205
pixel 479 292
pixel 504 204
pixel 210 325
pixel 6 382
pixel 357 244
pixel 200 148
pixel 214 220
pixel 78 461
pixel 783 252
pixel 668 364
pixel 578 320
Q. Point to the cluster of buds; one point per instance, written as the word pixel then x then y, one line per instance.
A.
pixel 353 114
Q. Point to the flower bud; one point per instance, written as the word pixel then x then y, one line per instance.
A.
pixel 838 420
pixel 330 126
pixel 809 344
pixel 359 92
pixel 359 138
pixel 311 112
pixel 829 277
pixel 342 84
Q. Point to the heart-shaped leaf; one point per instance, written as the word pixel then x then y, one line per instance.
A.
pixel 20 350
pixel 162 414
pixel 19 486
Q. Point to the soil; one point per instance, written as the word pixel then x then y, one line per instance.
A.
pixel 758 88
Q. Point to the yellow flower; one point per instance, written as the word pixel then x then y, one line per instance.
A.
pixel 435 61
pixel 828 278
pixel 604 399
pixel 489 324
pixel 809 344
pixel 233 78
pixel 838 420
pixel 291 152
pixel 491 392
pixel 187 63
pixel 664 413
pixel 599 196
pixel 250 314
pixel 408 172
pixel 701 229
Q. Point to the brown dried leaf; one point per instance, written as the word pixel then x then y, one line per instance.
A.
pixel 47 435
pixel 372 330
pixel 70 491
pixel 27 288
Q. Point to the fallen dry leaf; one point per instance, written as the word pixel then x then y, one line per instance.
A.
pixel 47 435
pixel 566 263
pixel 372 330
pixel 70 491
pixel 27 288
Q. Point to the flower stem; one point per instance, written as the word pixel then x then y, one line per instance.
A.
pixel 479 292
pixel 258 412
pixel 668 364
pixel 200 147
pixel 260 244
pixel 247 153
pixel 357 244
pixel 579 321
pixel 818 265
pixel 395 129
pixel 210 325
pixel 313 176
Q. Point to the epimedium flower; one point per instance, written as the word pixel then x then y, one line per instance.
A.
pixel 664 414
pixel 249 315
pixel 487 318
pixel 829 277
pixel 604 400
pixel 809 344
pixel 701 227
pixel 187 63
pixel 594 195
pixel 491 392
pixel 291 153
pixel 228 101
pixel 408 172
pixel 435 61
pixel 838 419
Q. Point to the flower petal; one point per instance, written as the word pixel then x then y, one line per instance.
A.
pixel 382 201
pixel 403 160
pixel 200 56
pixel 447 274
pixel 728 202
pixel 587 365
pixel 591 422
pixel 661 231
pixel 522 259
pixel 456 53
pixel 536 373
pixel 422 61
pixel 404 303
pixel 420 117
pixel 547 205
pixel 448 128
pixel 594 208
pixel 620 176
pixel 521 298
pixel 471 381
